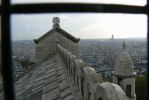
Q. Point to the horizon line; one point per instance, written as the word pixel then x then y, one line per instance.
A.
pixel 91 38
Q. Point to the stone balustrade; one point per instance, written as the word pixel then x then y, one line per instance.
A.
pixel 84 82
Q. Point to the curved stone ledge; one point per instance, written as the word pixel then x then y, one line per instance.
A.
pixel 110 91
pixel 84 81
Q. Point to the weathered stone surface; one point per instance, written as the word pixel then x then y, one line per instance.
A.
pixel 50 75
pixel 110 91
pixel 50 71
pixel 69 97
pixel 51 95
pixel 38 83
pixel 61 78
pixel 50 87
pixel 50 80
pixel 39 79
pixel 38 88
pixel 36 96
pixel 47 80
pixel 63 85
pixel 46 44
pixel 65 93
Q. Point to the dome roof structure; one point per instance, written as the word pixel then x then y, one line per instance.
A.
pixel 124 64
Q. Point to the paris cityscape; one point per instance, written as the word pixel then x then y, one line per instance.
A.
pixel 98 53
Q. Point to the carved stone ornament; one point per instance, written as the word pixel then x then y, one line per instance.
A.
pixel 56 20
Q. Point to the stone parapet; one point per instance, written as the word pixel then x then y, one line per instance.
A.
pixel 85 83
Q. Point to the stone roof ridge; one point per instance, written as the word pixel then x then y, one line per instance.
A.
pixel 68 35
pixel 63 32
pixel 79 63
pixel 56 27
pixel 43 36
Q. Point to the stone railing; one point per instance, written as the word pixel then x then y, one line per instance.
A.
pixel 84 82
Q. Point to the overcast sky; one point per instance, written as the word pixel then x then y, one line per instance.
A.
pixel 84 26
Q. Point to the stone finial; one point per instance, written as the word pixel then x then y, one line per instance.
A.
pixel 56 21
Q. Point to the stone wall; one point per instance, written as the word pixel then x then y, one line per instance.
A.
pixel 85 83
pixel 47 46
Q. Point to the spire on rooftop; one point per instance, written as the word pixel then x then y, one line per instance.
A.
pixel 124 64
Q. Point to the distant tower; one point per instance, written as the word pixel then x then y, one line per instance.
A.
pixel 112 37
pixel 124 74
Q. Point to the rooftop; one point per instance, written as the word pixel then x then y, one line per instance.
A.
pixel 48 80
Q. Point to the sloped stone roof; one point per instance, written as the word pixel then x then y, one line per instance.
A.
pixel 61 31
pixel 124 64
pixel 46 82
